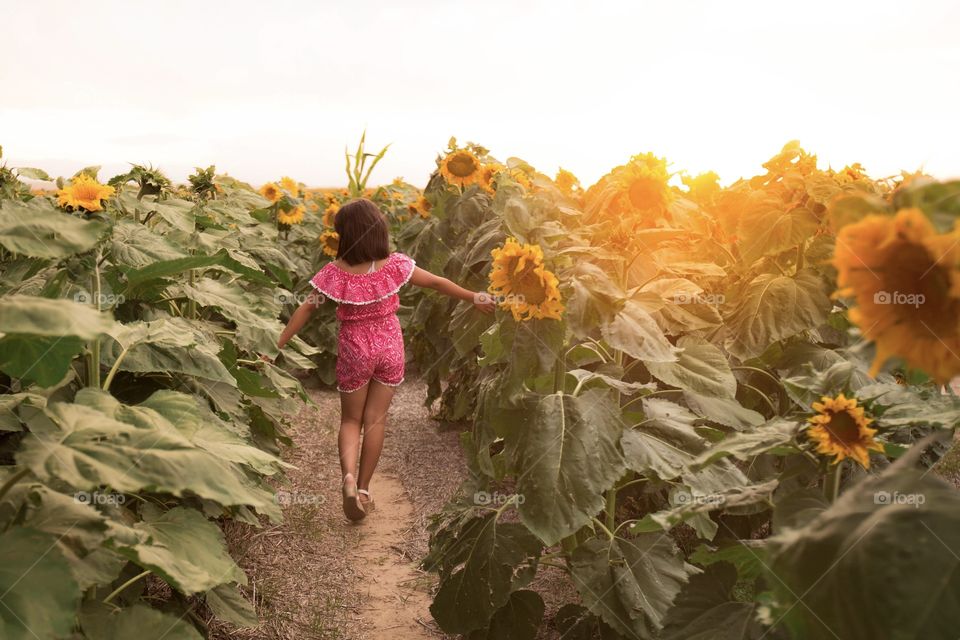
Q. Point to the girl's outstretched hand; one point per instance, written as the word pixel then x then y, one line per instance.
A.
pixel 484 302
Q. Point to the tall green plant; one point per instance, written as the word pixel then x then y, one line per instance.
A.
pixel 358 171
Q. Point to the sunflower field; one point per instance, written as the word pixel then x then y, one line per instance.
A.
pixel 716 410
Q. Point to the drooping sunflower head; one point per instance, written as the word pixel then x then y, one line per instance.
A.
pixel 293 216
pixel 841 429
pixel 905 278
pixel 791 159
pixel 850 173
pixel 421 207
pixel 488 176
pixel 528 290
pixel 567 182
pixel 520 177
pixel 461 168
pixel 330 243
pixel 84 192
pixel 271 191
pixel 702 187
pixel 290 185
pixel 329 214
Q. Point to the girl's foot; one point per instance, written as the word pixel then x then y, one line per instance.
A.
pixel 366 500
pixel 352 507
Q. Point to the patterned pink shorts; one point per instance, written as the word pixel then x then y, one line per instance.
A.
pixel 370 350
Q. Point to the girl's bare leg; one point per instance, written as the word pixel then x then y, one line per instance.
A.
pixel 375 410
pixel 351 418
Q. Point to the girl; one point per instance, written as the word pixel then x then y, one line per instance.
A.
pixel 364 281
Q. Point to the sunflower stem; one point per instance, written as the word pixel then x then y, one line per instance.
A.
pixel 606 529
pixel 766 398
pixel 611 499
pixel 611 508
pixel 12 480
pixel 831 484
pixel 115 368
pixel 126 584
pixel 559 375
pixel 93 377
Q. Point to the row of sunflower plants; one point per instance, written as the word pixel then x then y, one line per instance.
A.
pixel 136 415
pixel 714 409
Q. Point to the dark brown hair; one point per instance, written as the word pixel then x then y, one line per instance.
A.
pixel 363 232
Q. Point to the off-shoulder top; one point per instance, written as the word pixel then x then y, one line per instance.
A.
pixel 364 296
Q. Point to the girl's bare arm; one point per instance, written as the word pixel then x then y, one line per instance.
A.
pixel 481 300
pixel 298 319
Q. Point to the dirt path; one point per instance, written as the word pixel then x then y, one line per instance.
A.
pixel 394 605
pixel 318 577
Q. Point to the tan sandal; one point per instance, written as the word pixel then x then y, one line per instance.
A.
pixel 352 507
pixel 368 505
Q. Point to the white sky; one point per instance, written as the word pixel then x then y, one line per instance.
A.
pixel 264 89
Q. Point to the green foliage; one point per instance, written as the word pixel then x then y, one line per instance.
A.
pixel 134 403
pixel 671 401
pixel 853 585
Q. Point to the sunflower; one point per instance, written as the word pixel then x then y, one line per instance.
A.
pixel 421 207
pixel 291 185
pixel 528 290
pixel 841 429
pixel 461 168
pixel 637 189
pixel 488 176
pixel 702 188
pixel 271 191
pixel 850 173
pixel 330 241
pixel 791 159
pixel 645 183
pixel 329 214
pixel 567 182
pixel 905 278
pixel 521 178
pixel 84 192
pixel 293 216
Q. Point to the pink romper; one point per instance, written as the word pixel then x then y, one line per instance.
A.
pixel 370 342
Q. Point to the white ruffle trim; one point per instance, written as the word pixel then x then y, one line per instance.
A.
pixel 387 384
pixel 413 264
